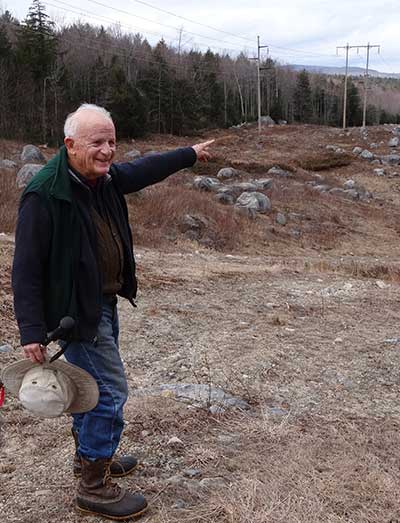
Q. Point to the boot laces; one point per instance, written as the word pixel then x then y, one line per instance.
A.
pixel 108 482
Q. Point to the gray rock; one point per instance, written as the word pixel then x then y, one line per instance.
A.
pixel 216 410
pixel 337 191
pixel 8 164
pixel 26 173
pixel 376 162
pixel 352 193
pixel 5 348
pixel 134 153
pixel 243 187
pixel 277 171
pixel 267 120
pixel 225 197
pixel 263 183
pixel 206 183
pixel 357 150
pixel 31 153
pixel 373 145
pixel 281 218
pixel 282 122
pixel 255 201
pixel 331 147
pixel 228 172
pixel 349 184
pixel 391 159
pixel 192 473
pixel 213 483
pixel 179 504
pixel 367 155
pixel 201 395
pixel 321 188
pixel 394 142
pixel 379 172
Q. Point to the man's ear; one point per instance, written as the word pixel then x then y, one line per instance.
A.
pixel 69 143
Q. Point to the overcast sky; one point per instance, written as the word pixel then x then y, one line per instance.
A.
pixel 297 31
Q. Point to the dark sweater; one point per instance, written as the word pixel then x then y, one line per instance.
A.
pixel 43 261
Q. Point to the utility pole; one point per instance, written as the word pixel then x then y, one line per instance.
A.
pixel 358 47
pixel 366 83
pixel 259 68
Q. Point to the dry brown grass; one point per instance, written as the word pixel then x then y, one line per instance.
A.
pixel 9 197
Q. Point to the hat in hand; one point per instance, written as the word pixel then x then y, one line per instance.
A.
pixel 50 389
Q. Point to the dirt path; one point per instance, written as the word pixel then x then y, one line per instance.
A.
pixel 305 347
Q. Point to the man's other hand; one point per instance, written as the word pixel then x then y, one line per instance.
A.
pixel 36 352
pixel 201 150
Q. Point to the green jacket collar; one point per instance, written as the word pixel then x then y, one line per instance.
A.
pixel 61 185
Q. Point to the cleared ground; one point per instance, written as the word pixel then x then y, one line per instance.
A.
pixel 303 329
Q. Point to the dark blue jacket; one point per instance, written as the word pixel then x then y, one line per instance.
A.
pixel 55 270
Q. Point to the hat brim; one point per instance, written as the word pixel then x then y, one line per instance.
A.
pixel 87 391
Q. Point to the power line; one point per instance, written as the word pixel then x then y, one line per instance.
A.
pixel 189 20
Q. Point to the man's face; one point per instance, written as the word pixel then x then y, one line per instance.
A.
pixel 92 149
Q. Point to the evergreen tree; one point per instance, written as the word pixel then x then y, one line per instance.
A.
pixel 354 114
pixel 37 42
pixel 302 100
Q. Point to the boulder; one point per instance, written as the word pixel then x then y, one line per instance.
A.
pixel 206 183
pixel 200 395
pixel 357 150
pixel 280 218
pixel 263 183
pixel 243 187
pixel 26 173
pixel 391 159
pixel 367 155
pixel 228 172
pixel 225 198
pixel 134 153
pixel 379 172
pixel 277 171
pixel 394 142
pixel 254 202
pixel 267 120
pixel 282 122
pixel 8 164
pixel 350 184
pixel 31 153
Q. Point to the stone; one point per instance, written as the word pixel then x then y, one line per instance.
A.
pixel 394 142
pixel 367 155
pixel 357 150
pixel 376 162
pixel 206 183
pixel 225 198
pixel 373 145
pixel 216 410
pixel 228 172
pixel 277 171
pixel 381 284
pixel 282 122
pixel 213 483
pixel 263 183
pixel 255 201
pixel 134 153
pixel 179 504
pixel 267 120
pixel 321 188
pixel 6 348
pixel 174 441
pixel 31 153
pixel 8 164
pixel 26 173
pixel 338 191
pixel 349 184
pixel 352 193
pixel 243 187
pixel 379 172
pixel 192 473
pixel 197 394
pixel 281 218
pixel 391 159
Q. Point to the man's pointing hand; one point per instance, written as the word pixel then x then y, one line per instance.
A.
pixel 201 150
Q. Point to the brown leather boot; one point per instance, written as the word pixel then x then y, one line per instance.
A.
pixel 120 466
pixel 98 495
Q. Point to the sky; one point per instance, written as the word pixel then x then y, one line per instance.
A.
pixel 303 32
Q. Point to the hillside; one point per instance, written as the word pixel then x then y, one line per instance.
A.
pixel 298 317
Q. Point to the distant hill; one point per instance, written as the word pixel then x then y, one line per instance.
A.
pixel 353 71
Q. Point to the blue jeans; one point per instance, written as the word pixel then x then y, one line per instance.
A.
pixel 100 429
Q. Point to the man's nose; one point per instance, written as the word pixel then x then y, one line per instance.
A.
pixel 106 149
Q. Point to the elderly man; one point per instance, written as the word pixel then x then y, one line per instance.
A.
pixel 73 256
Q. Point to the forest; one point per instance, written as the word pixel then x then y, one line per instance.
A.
pixel 46 71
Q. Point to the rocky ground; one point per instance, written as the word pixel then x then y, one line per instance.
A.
pixel 303 332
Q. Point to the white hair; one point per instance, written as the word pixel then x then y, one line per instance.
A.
pixel 72 121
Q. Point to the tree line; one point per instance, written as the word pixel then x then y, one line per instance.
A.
pixel 46 72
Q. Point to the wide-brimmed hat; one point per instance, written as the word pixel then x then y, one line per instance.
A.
pixel 49 389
